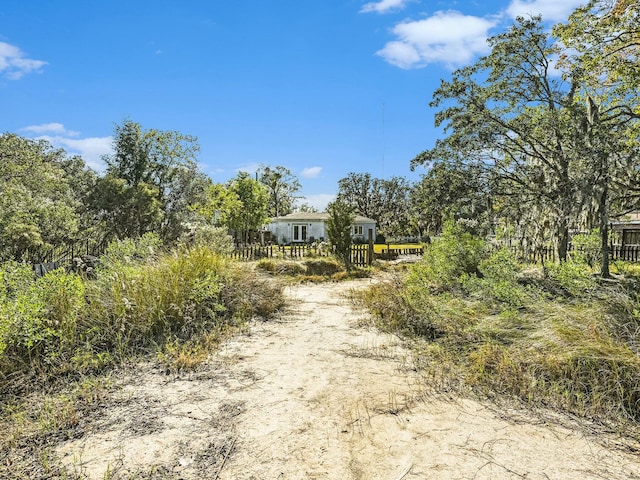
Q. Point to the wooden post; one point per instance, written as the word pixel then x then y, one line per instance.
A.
pixel 370 251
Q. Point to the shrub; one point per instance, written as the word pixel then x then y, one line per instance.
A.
pixel 587 248
pixel 566 341
pixel 393 310
pixel 574 277
pixel 323 266
pixel 448 258
pixel 176 295
pixel 498 280
pixel 339 224
pixel 38 318
pixel 216 238
pixel 281 267
pixel 60 324
pixel 129 251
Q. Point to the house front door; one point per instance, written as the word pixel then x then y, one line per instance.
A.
pixel 299 233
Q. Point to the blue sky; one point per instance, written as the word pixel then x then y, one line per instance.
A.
pixel 323 87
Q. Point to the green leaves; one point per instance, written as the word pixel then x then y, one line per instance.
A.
pixel 383 200
pixel 38 207
pixel 282 186
pixel 546 158
pixel 339 224
pixel 254 199
pixel 152 179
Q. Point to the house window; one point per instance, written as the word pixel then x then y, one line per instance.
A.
pixel 631 237
pixel 357 230
pixel 299 233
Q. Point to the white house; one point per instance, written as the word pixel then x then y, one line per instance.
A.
pixel 307 227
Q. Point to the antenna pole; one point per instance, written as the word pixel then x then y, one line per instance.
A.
pixel 383 140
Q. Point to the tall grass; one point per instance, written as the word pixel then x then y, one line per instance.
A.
pixel 141 299
pixel 487 326
pixel 59 333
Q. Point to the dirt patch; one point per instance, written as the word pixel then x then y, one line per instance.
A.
pixel 315 396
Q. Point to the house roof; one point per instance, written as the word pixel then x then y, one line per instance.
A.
pixel 626 225
pixel 318 217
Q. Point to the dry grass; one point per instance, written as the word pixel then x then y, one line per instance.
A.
pixel 532 340
pixel 175 307
pixel 312 270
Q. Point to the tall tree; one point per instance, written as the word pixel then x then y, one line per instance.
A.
pixel 125 211
pixel 253 198
pixel 603 43
pixel 511 113
pixel 450 191
pixel 307 208
pixel 217 206
pixel 38 206
pixel 159 170
pixel 339 225
pixel 282 186
pixel 384 200
pixel 82 181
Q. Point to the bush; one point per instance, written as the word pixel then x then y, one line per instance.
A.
pixel 38 318
pixel 574 277
pixel 281 267
pixel 216 238
pixel 394 311
pixel 323 266
pixel 498 280
pixel 130 251
pixel 456 253
pixel 341 216
pixel 587 248
pixel 61 324
pixel 564 342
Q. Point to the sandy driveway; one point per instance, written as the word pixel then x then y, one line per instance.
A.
pixel 315 396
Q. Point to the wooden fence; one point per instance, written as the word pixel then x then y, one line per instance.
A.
pixel 256 252
pixel 65 252
pixel 389 253
pixel 630 253
pixel 361 255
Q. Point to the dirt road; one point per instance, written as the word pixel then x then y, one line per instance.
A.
pixel 316 396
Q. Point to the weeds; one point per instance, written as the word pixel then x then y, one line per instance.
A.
pixel 566 341
pixel 313 269
pixel 58 331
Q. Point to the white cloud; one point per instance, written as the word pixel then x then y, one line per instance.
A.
pixel 211 170
pixel 90 149
pixel 311 172
pixel 13 63
pixel 249 168
pixel 319 201
pixel 56 128
pixel 449 37
pixel 383 6
pixel 551 10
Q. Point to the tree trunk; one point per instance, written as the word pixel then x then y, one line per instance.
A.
pixel 604 232
pixel 563 242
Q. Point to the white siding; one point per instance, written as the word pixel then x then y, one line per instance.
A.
pixel 283 231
